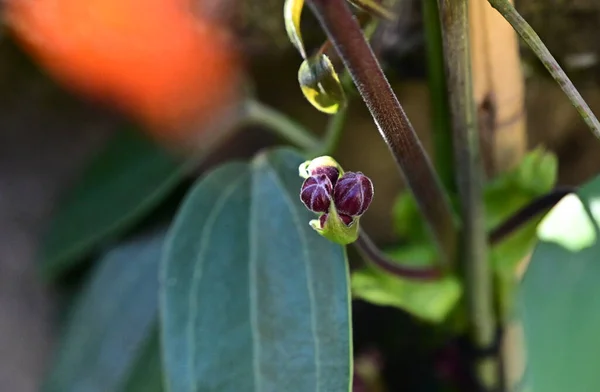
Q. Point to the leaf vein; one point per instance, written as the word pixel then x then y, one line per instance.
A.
pixel 309 272
pixel 197 274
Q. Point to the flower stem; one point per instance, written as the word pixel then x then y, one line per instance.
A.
pixel 281 125
pixel 333 132
pixel 335 126
pixel 526 213
pixel 372 254
pixel 440 112
pixel 512 16
pixel 344 32
pixel 454 17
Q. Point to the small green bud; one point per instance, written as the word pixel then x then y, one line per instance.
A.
pixel 320 84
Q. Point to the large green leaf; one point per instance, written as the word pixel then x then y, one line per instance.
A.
pixel 535 176
pixel 108 335
pixel 560 297
pixel 252 299
pixel 126 181
pixel 147 376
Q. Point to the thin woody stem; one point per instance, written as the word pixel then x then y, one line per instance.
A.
pixel 440 112
pixel 344 32
pixel 512 16
pixel 398 268
pixel 527 212
pixel 479 291
pixel 379 259
pixel 280 124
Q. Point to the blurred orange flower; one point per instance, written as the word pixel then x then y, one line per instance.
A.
pixel 157 60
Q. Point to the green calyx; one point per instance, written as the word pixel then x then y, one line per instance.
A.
pixel 335 229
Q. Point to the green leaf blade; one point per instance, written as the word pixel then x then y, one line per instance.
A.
pixel 559 300
pixel 323 268
pixel 127 180
pixel 272 303
pixel 182 293
pixel 112 321
pixel 147 376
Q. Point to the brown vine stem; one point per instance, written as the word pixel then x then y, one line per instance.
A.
pixel 531 210
pixel 344 32
pixel 454 16
pixel 401 269
pixel 512 16
pixel 374 255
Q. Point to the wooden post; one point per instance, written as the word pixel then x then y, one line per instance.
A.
pixel 499 93
pixel 498 88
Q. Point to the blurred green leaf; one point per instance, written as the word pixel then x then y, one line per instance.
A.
pixel 535 176
pixel 320 84
pixel 111 322
pixel 430 301
pixel 123 184
pixel 560 299
pixel 147 376
pixel 505 195
pixel 252 299
pixel 569 226
pixel 408 223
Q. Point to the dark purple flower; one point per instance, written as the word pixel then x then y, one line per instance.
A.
pixel 345 218
pixel 353 194
pixel 331 172
pixel 316 193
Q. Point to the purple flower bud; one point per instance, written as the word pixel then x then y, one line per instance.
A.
pixel 345 218
pixel 331 172
pixel 353 194
pixel 316 193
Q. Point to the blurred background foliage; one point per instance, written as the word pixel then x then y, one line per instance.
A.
pixel 50 138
